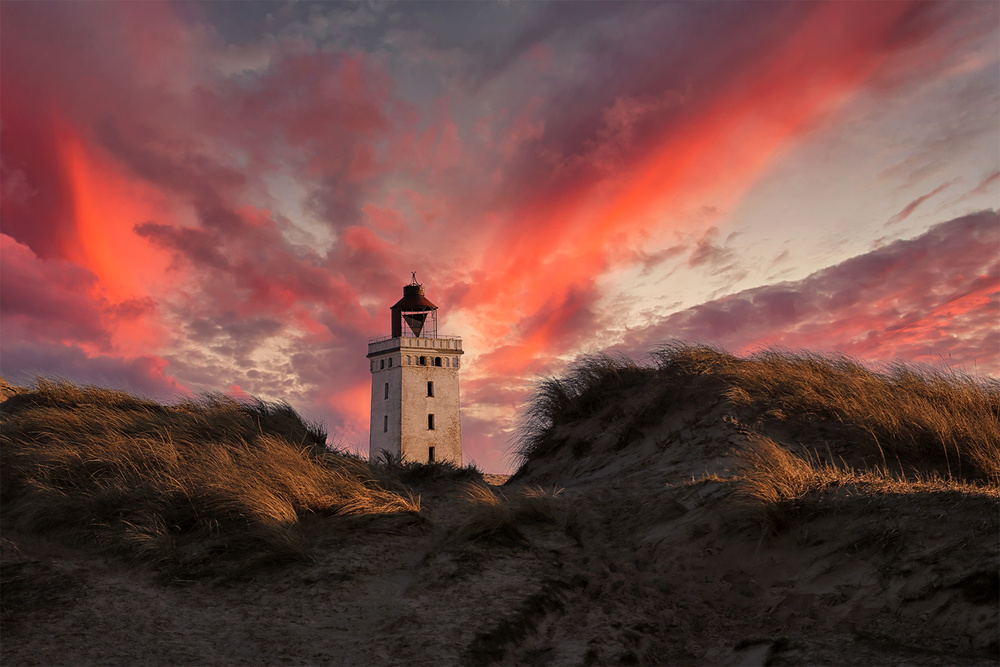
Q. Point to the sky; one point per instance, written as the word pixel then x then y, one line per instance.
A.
pixel 228 197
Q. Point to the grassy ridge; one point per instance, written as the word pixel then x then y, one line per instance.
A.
pixel 915 420
pixel 208 487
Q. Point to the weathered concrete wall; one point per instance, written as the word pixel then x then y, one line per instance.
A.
pixel 382 407
pixel 408 434
pixel 446 437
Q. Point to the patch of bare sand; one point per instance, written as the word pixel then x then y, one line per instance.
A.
pixel 381 590
pixel 495 480
pixel 887 581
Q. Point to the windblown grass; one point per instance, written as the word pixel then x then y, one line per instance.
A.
pixel 416 472
pixel 913 419
pixel 215 486
pixel 775 482
pixel 918 418
pixel 590 384
pixel 771 474
pixel 495 518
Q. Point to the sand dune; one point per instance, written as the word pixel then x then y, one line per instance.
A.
pixel 632 537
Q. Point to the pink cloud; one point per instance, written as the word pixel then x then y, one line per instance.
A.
pixel 933 299
pixel 146 374
pixel 912 206
pixel 149 225
pixel 48 300
pixel 985 184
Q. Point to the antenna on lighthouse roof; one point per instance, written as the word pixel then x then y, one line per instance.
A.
pixel 414 274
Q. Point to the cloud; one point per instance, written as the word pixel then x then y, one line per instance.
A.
pixel 48 299
pixel 235 193
pixel 707 253
pixel 573 221
pixel 985 184
pixel 488 443
pixel 934 298
pixel 912 206
pixel 146 374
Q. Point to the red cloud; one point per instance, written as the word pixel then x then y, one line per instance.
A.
pixel 161 195
pixel 558 241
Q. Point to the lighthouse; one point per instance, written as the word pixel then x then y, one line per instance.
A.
pixel 416 414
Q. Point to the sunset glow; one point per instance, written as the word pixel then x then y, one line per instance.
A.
pixel 227 197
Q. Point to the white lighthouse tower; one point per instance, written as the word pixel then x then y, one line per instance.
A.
pixel 415 400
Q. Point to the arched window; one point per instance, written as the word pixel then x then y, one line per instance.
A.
pixel 423 361
pixel 408 358
pixel 390 362
pixel 437 361
pixel 447 362
pixel 381 364
pixel 456 362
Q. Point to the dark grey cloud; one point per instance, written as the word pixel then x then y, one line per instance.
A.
pixel 664 58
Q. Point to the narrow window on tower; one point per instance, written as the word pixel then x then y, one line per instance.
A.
pixel 423 361
pixel 381 364
pixel 430 389
pixel 430 455
pixel 437 361
pixel 387 390
pixel 385 423
pixel 390 362
pixel 430 422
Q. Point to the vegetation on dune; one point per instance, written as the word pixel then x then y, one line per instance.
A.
pixel 918 418
pixel 214 486
pixel 416 472
pixel 217 486
pixel 776 483
pixel 906 418
pixel 494 518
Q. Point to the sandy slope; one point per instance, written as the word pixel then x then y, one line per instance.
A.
pixel 656 565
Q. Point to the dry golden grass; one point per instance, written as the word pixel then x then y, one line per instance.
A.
pixel 917 418
pixel 771 474
pixel 215 486
pixel 775 482
pixel 912 419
